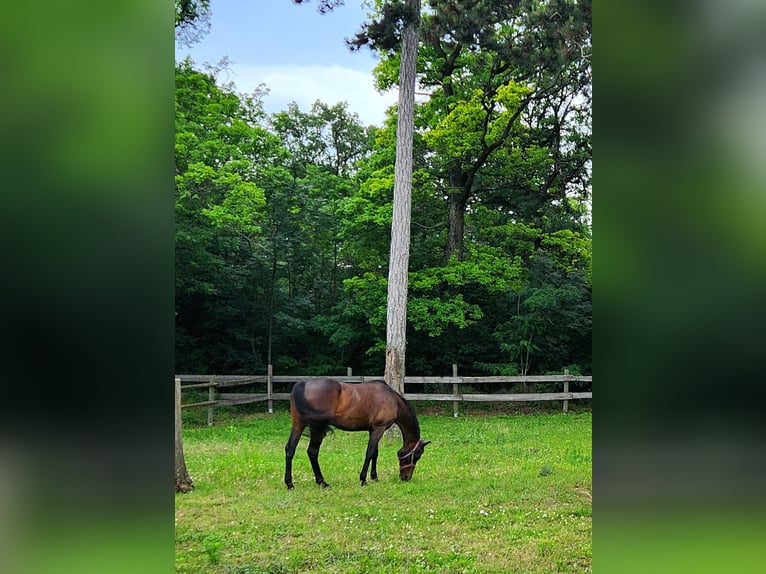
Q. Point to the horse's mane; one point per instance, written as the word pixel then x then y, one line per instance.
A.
pixel 410 411
pixel 405 406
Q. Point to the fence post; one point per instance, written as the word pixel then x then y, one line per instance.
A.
pixel 348 372
pixel 455 390
pixel 566 390
pixel 270 387
pixel 210 397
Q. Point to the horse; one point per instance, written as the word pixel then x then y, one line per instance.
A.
pixel 373 406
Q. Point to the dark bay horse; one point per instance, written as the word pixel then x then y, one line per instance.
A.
pixel 372 406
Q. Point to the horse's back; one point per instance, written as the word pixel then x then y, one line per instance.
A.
pixel 345 405
pixel 323 394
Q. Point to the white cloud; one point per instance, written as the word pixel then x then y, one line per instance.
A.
pixel 306 84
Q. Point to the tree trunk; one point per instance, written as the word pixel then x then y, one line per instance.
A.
pixel 457 199
pixel 456 224
pixel 396 311
pixel 183 481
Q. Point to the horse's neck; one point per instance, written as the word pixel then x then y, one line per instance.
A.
pixel 408 424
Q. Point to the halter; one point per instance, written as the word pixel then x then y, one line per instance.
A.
pixel 410 454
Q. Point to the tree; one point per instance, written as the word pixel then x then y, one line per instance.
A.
pixel 328 136
pixel 305 222
pixel 183 480
pixel 398 265
pixel 506 128
pixel 220 215
pixel 397 25
pixel 502 76
pixel 284 223
pixel 192 20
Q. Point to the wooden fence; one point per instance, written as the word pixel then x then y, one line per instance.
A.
pixel 221 399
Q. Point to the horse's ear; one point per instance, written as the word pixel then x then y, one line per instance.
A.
pixel 425 442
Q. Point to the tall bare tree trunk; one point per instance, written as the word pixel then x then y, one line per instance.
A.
pixel 183 481
pixel 396 312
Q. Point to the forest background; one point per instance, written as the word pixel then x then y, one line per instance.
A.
pixel 283 219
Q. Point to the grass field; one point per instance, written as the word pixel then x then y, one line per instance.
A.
pixel 499 493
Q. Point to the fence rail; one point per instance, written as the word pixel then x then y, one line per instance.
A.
pixel 220 399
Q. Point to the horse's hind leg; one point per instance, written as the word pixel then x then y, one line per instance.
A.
pixel 317 436
pixel 292 443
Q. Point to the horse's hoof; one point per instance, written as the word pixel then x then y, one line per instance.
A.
pixel 290 487
pixel 363 483
pixel 324 485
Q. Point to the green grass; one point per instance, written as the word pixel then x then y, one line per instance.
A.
pixel 491 494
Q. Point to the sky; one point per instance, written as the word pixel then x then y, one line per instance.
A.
pixel 298 53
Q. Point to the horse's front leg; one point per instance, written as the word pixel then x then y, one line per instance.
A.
pixel 371 456
pixel 313 451
pixel 374 466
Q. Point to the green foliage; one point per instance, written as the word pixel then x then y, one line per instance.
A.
pixel 192 20
pixel 477 123
pixel 570 250
pixel 551 320
pixel 432 314
pixel 190 11
pixel 283 222
pixel 384 31
pixel 220 215
pixel 369 292
pixel 327 136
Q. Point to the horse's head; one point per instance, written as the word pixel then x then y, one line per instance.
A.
pixel 409 457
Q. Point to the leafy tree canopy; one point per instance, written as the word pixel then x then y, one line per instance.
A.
pixel 283 221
